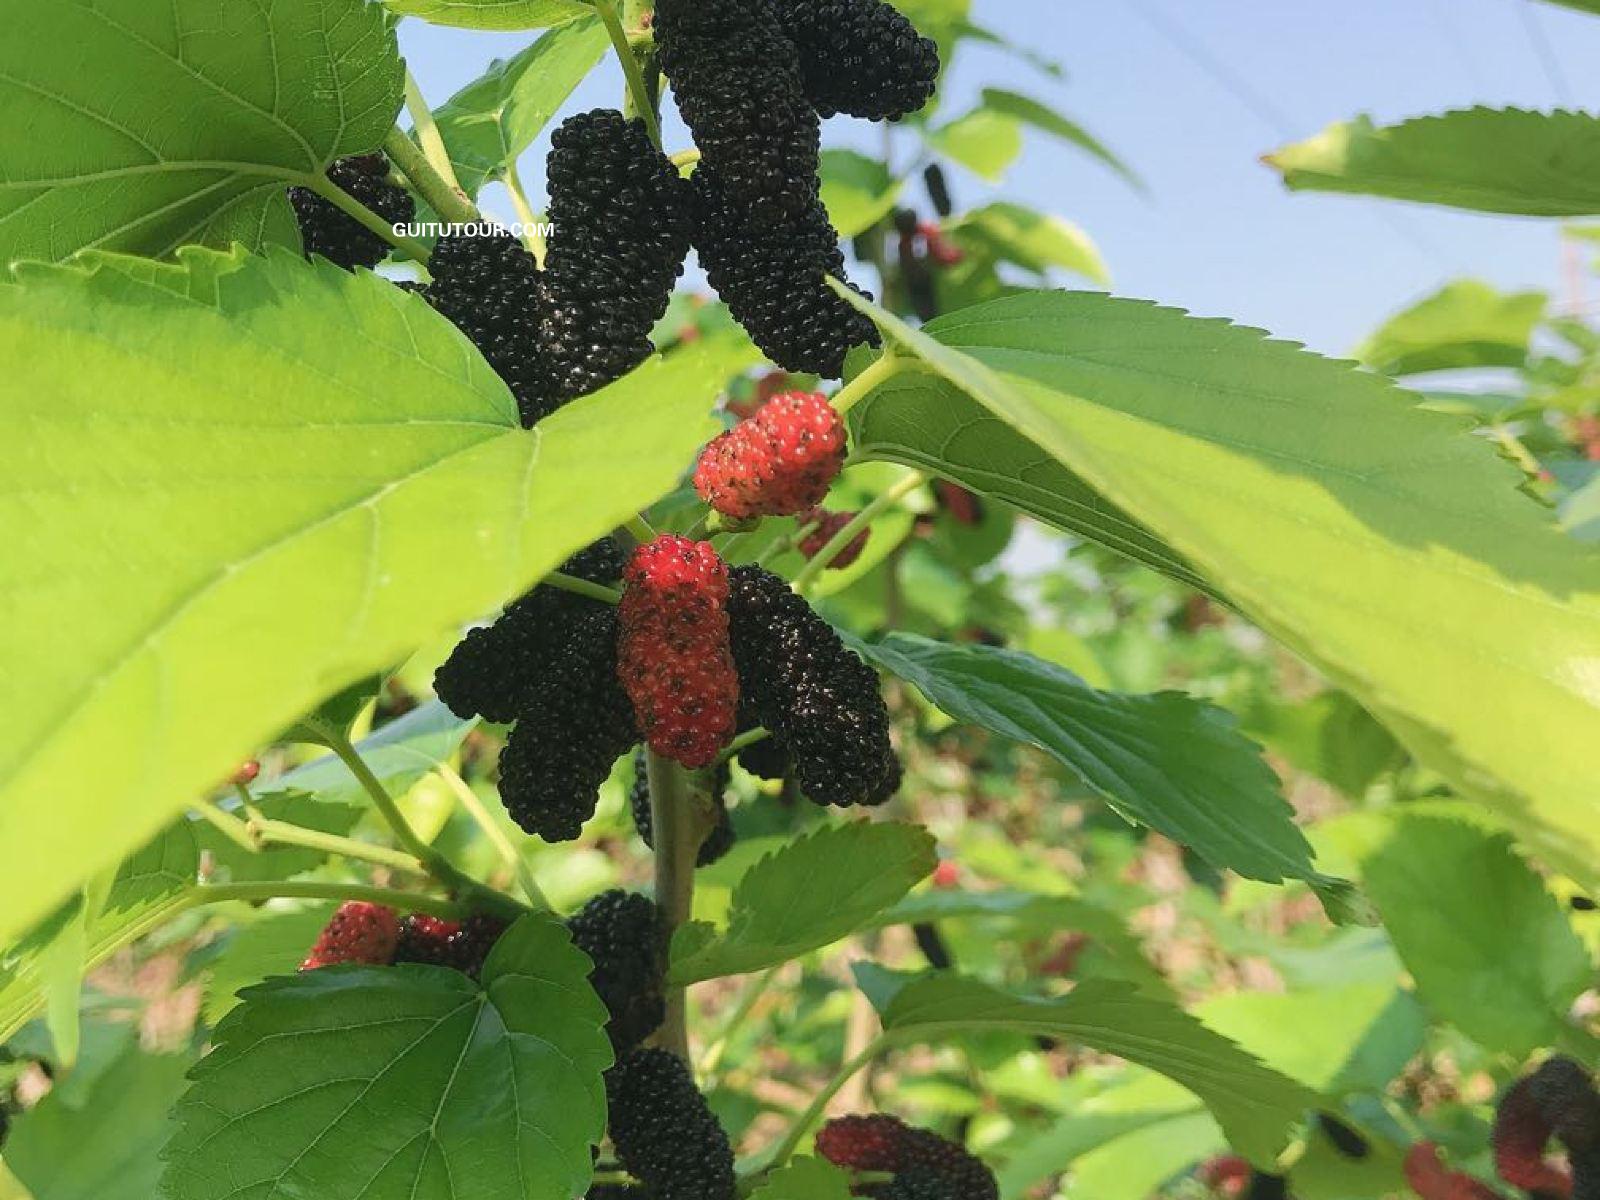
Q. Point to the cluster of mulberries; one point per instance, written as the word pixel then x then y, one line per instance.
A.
pixel 818 699
pixel 621 216
pixel 663 1131
pixel 673 656
pixel 1558 1100
pixel 622 933
pixel 376 935
pixel 777 462
pixel 925 1166
pixel 824 526
pixel 460 945
pixel 549 663
pixel 328 231
pixel 763 235
pixel 860 57
pixel 721 838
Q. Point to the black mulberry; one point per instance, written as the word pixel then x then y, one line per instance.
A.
pixel 664 1133
pixel 460 945
pixel 621 216
pixel 488 285
pixel 737 81
pixel 773 277
pixel 861 57
pixel 816 696
pixel 327 230
pixel 623 934
pixel 495 669
pixel 721 838
pixel 570 731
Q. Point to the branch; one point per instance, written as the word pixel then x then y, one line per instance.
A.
pixel 677 845
pixel 638 91
pixel 428 134
pixel 449 202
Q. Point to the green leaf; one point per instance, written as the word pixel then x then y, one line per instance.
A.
pixel 399 754
pixel 1166 761
pixel 1464 324
pixel 781 909
pixel 1031 112
pixel 1254 1104
pixel 494 14
pixel 1016 234
pixel 805 1179
pixel 410 1083
pixel 1136 1165
pixel 984 141
pixel 106 1145
pixel 497 116
pixel 1335 1039
pixel 1504 160
pixel 150 126
pixel 857 190
pixel 1384 544
pixel 1588 6
pixel 275 943
pixel 1327 735
pixel 1491 950
pixel 326 442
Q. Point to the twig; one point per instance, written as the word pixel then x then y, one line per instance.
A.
pixel 677 845
pixel 449 202
pixel 432 141
pixel 582 587
pixel 497 836
pixel 638 90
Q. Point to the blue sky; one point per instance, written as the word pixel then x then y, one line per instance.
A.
pixel 1190 93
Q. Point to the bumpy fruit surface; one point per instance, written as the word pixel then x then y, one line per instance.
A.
pixel 358 932
pixel 620 212
pixel 886 1143
pixel 488 285
pixel 737 82
pixel 827 525
pixel 460 945
pixel 663 1131
pixel 772 274
pixel 717 843
pixel 673 657
pixel 1558 1100
pixel 328 231
pixel 622 933
pixel 861 57
pixel 819 700
pixel 495 669
pixel 776 463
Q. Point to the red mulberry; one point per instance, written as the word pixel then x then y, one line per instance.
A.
pixel 885 1143
pixel 664 1133
pixel 622 933
pixel 358 932
pixel 779 462
pixel 819 700
pixel 674 659
pixel 1432 1180
pixel 330 232
pixel 860 57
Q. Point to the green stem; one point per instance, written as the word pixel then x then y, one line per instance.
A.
pixel 281 833
pixel 348 204
pixel 582 587
pixel 497 836
pixel 428 135
pixel 449 202
pixel 436 864
pixel 820 1102
pixel 638 90
pixel 677 845
pixel 748 738
pixel 907 484
pixel 685 158
pixel 640 529
pixel 887 365
pixel 225 823
pixel 531 237
pixel 219 893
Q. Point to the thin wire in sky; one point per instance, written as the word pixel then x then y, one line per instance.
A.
pixel 1265 110
pixel 1544 51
